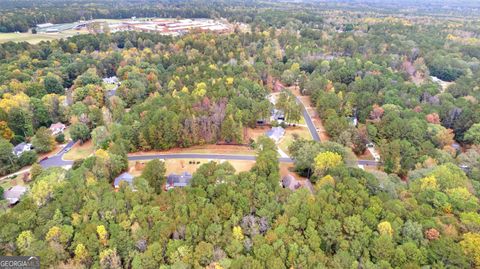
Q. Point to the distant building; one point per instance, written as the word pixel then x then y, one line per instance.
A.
pixel 276 133
pixel 44 25
pixel 124 177
pixel 57 128
pixel 14 194
pixel 21 148
pixel 178 181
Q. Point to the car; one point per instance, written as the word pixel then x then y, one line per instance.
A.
pixel 370 145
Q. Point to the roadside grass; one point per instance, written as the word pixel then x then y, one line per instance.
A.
pixel 80 151
pixel 290 133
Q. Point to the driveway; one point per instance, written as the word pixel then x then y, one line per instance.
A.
pixel 309 122
pixel 57 159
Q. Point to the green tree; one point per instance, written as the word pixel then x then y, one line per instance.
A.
pixel 43 140
pixel 473 134
pixel 53 84
pixel 154 173
pixel 79 131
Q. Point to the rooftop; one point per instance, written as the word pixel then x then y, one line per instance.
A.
pixel 14 194
pixel 124 177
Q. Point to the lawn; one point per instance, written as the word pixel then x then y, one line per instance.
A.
pixel 80 151
pixel 290 133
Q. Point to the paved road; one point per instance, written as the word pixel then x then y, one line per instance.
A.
pixel 57 159
pixel 231 157
pixel 308 121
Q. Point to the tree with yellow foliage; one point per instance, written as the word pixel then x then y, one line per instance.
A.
pixel 326 160
pixel 237 233
pixel 385 228
pixel 471 247
pixel 5 132
pixel 102 234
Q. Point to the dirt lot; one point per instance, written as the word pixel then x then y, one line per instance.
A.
pixel 254 133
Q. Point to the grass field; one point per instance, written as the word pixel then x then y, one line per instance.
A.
pixel 290 134
pixel 80 151
pixel 36 38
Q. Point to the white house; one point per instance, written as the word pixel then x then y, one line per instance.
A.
pixel 57 128
pixel 21 148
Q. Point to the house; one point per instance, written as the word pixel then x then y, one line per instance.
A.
pixel 21 148
pixel 14 194
pixel 178 181
pixel 57 128
pixel 278 115
pixel 276 133
pixel 111 80
pixel 124 177
pixel 293 184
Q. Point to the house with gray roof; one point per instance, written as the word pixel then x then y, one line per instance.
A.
pixel 124 177
pixel 21 148
pixel 276 133
pixel 14 194
pixel 178 181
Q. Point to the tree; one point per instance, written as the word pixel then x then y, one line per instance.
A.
pixel 237 233
pixel 102 234
pixel 20 121
pixel 473 134
pixel 100 137
pixel 471 246
pixel 154 173
pixel 35 170
pixel 5 132
pixel 24 241
pixel 79 131
pixel 109 259
pixel 267 162
pixel 203 253
pixel 326 160
pixel 81 254
pixel 43 140
pixel 53 84
pixel 6 156
pixel 385 228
